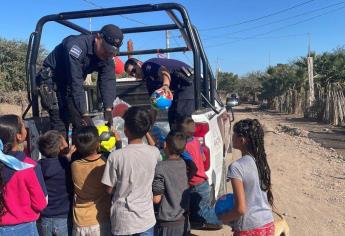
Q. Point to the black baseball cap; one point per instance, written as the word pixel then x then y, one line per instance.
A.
pixel 112 35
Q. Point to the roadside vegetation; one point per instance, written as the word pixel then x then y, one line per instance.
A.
pixel 12 70
pixel 285 87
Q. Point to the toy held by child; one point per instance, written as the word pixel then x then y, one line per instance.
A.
pixel 250 177
pixel 224 204
pixel 109 139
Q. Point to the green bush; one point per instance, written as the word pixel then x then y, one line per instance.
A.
pixel 12 64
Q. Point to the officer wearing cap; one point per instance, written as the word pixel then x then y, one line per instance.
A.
pixel 65 69
pixel 168 75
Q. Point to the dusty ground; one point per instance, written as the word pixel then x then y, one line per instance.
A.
pixel 10 109
pixel 308 179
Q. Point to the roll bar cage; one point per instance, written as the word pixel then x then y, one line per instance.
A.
pixel 204 86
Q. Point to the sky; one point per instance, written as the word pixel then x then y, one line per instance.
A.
pixel 238 36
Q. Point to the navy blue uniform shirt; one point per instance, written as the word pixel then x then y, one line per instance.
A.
pixel 152 72
pixel 71 61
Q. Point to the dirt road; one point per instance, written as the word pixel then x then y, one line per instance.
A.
pixel 308 180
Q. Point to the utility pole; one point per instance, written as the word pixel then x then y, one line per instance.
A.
pixel 90 23
pixel 167 37
pixel 310 74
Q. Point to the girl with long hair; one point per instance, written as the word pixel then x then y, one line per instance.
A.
pixel 22 190
pixel 250 177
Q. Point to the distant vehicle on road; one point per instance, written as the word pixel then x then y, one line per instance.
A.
pixel 232 102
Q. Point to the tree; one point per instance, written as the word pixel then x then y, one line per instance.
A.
pixel 250 86
pixel 330 67
pixel 227 81
pixel 12 64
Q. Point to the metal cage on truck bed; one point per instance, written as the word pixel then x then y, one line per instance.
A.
pixel 204 86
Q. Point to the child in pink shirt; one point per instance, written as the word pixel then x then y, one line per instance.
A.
pixel 22 189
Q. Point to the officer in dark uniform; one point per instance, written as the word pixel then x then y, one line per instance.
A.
pixel 167 74
pixel 65 69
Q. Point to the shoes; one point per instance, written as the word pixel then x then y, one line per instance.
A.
pixel 213 226
pixel 196 225
pixel 205 226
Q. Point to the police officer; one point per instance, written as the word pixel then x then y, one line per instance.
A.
pixel 167 74
pixel 65 69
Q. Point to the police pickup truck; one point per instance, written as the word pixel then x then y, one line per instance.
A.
pixel 211 117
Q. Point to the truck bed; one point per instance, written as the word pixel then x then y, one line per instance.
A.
pixel 132 91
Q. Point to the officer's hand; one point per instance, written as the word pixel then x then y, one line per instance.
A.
pixel 166 90
pixel 108 117
pixel 87 121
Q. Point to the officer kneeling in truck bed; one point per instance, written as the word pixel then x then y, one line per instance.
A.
pixel 65 69
pixel 166 74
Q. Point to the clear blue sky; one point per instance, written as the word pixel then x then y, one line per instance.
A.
pixel 232 34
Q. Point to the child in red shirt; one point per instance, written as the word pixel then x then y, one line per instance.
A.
pixel 201 213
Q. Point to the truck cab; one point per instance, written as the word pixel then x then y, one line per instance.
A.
pixel 213 122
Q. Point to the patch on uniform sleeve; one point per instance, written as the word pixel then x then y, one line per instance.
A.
pixel 75 51
pixel 147 68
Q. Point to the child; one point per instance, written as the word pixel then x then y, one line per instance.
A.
pixel 22 189
pixel 91 208
pixel 251 182
pixel 170 189
pixel 201 213
pixel 57 176
pixel 129 174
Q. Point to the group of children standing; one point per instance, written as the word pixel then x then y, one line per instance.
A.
pixel 82 192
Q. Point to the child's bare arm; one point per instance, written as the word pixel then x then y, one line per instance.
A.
pixel 70 153
pixel 149 139
pixel 157 199
pixel 240 202
pixel 118 144
pixel 117 135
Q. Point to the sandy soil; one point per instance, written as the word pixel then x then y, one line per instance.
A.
pixel 10 109
pixel 308 180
